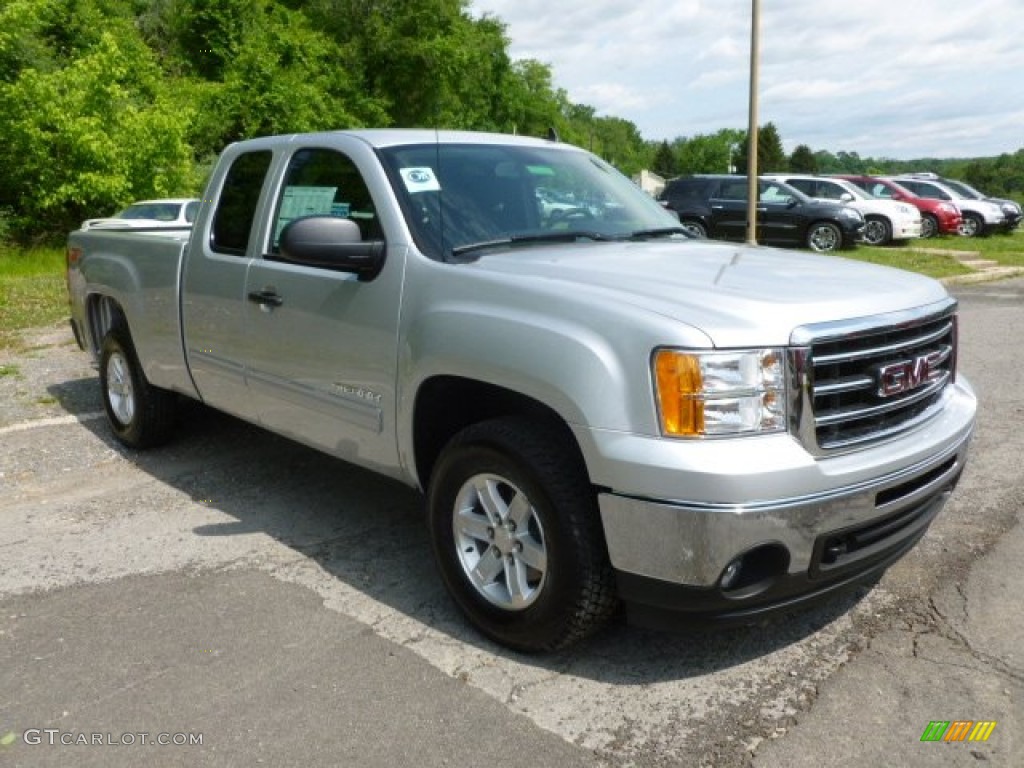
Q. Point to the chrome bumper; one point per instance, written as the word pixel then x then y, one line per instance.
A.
pixel 824 536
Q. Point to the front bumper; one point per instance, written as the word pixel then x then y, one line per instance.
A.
pixel 906 228
pixel 675 555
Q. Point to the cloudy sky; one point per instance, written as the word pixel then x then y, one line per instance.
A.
pixel 884 78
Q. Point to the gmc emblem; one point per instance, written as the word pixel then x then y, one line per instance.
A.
pixel 908 375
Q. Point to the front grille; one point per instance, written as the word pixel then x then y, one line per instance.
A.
pixel 875 382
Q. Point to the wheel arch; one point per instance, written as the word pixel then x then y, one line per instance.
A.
pixel 445 405
pixel 103 313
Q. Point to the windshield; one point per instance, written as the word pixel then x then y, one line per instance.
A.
pixel 964 189
pixel 463 197
pixel 155 211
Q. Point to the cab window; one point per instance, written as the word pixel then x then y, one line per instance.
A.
pixel 324 182
pixel 239 197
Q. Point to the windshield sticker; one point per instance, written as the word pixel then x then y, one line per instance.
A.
pixel 420 180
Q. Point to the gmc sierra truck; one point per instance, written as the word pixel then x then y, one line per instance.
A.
pixel 599 408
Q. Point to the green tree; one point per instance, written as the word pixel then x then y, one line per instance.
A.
pixel 803 160
pixel 84 139
pixel 664 162
pixel 770 155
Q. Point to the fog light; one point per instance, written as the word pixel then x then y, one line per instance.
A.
pixel 754 572
pixel 731 573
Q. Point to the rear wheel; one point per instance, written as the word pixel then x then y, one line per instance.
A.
pixel 517 536
pixel 824 237
pixel 140 414
pixel 877 231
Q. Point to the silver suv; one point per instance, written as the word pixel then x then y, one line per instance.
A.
pixel 980 217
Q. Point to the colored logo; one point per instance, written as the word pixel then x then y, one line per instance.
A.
pixel 958 730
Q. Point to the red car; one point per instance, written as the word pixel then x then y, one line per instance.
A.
pixel 938 217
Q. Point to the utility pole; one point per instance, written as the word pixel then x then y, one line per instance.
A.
pixel 755 23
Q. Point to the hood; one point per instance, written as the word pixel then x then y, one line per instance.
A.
pixel 738 295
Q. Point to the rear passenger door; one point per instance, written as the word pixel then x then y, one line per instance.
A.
pixel 213 303
pixel 729 209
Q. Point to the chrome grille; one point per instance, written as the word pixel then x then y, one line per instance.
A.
pixel 868 381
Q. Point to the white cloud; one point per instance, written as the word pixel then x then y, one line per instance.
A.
pixel 886 78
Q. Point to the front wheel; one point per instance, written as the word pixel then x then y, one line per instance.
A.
pixel 695 228
pixel 971 225
pixel 517 536
pixel 140 414
pixel 824 237
pixel 877 231
pixel 929 226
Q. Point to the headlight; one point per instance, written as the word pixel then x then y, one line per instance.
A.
pixel 948 208
pixel 1011 209
pixel 850 213
pixel 720 393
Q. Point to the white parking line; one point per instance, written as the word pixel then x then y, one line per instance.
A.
pixel 55 421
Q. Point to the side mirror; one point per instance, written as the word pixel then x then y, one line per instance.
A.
pixel 846 197
pixel 332 243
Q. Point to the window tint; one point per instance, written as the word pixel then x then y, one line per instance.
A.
pixel 232 223
pixel 324 182
pixel 770 192
pixel 830 190
pixel 733 190
pixel 804 185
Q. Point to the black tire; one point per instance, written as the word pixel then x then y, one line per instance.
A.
pixel 972 225
pixel 877 231
pixel 544 582
pixel 824 237
pixel 694 227
pixel 929 226
pixel 140 414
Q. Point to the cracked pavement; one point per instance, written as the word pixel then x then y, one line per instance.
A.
pixel 286 606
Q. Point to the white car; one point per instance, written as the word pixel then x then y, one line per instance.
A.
pixel 980 217
pixel 885 220
pixel 172 213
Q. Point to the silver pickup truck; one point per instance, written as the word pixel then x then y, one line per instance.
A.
pixel 598 408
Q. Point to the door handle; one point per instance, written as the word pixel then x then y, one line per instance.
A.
pixel 266 298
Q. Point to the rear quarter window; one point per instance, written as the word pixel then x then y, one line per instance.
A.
pixel 239 197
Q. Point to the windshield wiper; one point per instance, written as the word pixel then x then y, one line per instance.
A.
pixel 644 234
pixel 569 236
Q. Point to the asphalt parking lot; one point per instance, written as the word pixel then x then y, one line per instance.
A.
pixel 250 601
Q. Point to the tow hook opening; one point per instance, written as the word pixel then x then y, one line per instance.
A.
pixel 754 571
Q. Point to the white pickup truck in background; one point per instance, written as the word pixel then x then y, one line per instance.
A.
pixel 597 407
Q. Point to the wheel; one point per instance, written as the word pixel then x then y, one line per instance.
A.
pixel 695 228
pixel 140 414
pixel 971 225
pixel 824 237
pixel 929 225
pixel 877 231
pixel 517 536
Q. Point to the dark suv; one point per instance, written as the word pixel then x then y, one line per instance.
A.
pixel 716 206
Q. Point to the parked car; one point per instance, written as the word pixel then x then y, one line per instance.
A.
pixel 938 217
pixel 885 220
pixel 980 217
pixel 716 206
pixel 170 213
pixel 1011 208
